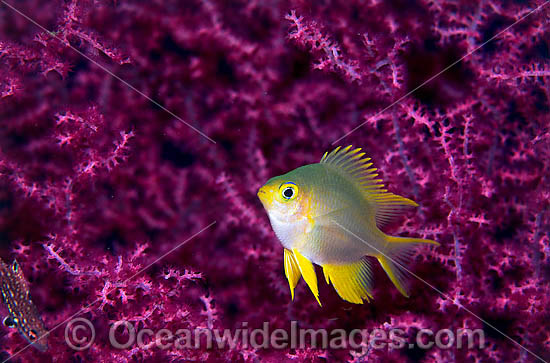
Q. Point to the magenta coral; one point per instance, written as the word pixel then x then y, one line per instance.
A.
pixel 97 182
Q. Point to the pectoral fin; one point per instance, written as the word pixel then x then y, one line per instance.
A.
pixel 308 272
pixel 292 271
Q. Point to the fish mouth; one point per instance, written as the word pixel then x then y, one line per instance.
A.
pixel 264 196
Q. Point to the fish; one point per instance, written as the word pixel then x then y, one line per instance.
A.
pixel 22 313
pixel 330 214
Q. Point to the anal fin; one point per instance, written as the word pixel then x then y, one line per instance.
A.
pixel 353 282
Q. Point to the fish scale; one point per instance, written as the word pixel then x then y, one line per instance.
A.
pixel 22 313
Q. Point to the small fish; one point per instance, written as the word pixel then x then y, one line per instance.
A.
pixel 23 315
pixel 330 214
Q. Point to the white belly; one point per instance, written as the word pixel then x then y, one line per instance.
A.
pixel 288 233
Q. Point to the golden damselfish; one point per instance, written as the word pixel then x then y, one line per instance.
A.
pixel 330 214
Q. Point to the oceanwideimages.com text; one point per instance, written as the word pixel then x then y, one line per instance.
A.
pixel 80 334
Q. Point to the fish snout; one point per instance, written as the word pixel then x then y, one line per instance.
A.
pixel 264 195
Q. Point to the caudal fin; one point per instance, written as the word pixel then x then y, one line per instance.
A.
pixel 397 257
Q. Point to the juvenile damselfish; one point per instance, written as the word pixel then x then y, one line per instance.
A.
pixel 330 214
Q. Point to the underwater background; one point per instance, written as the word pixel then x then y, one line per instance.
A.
pixel 134 136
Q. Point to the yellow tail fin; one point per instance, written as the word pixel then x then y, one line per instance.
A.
pixel 396 258
pixel 352 281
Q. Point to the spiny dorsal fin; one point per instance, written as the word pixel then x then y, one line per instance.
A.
pixel 354 164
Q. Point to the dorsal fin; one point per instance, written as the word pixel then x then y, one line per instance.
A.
pixel 357 168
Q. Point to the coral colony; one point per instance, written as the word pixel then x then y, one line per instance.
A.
pixel 97 182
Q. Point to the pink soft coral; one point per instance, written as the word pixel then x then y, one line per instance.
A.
pixel 97 182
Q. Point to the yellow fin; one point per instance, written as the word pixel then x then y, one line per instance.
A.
pixel 327 278
pixel 308 272
pixel 389 205
pixel 292 271
pixel 352 164
pixel 411 240
pixel 398 254
pixel 352 281
pixel 358 170
pixel 397 275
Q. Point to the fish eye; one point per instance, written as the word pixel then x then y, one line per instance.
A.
pixel 289 191
pixel 9 322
